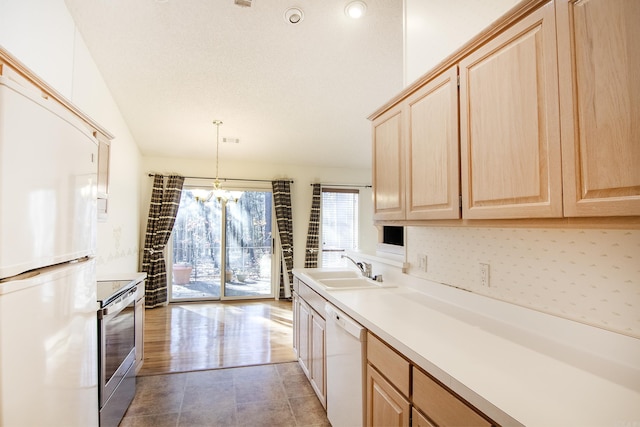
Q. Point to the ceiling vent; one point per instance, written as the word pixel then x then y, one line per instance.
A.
pixel 243 3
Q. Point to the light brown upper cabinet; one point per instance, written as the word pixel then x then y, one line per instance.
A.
pixel 433 171
pixel 388 166
pixel 509 123
pixel 599 68
pixel 548 108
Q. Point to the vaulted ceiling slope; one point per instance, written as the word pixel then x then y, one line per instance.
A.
pixel 292 94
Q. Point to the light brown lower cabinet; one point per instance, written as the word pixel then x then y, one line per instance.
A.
pixel 317 369
pixel 139 326
pixel 419 420
pixel 399 394
pixel 303 328
pixel 385 405
pixel 309 337
pixel 440 405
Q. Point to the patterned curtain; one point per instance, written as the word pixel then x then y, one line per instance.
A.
pixel 162 215
pixel 313 235
pixel 282 203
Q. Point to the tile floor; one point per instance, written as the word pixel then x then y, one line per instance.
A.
pixel 267 395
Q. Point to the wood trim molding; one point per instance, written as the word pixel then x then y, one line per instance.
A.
pixel 610 223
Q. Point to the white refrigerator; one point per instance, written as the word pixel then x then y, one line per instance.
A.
pixel 48 320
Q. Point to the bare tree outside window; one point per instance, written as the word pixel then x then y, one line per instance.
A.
pixel 205 230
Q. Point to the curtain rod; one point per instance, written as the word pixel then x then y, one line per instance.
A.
pixel 343 185
pixel 232 179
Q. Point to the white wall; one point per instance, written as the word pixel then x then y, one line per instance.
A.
pixel 430 36
pixel 590 276
pixel 42 35
pixel 303 177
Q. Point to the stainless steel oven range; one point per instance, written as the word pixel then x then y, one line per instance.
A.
pixel 116 349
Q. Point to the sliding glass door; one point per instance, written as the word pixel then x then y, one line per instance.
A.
pixel 248 248
pixel 222 250
pixel 197 248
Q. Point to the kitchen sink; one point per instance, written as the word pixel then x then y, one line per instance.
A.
pixel 333 274
pixel 351 283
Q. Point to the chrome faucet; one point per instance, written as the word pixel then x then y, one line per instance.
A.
pixel 364 267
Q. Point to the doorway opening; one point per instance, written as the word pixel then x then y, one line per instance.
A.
pixel 222 250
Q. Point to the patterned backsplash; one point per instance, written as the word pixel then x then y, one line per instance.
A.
pixel 590 276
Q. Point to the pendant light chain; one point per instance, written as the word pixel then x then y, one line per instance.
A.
pixel 217 123
pixel 220 194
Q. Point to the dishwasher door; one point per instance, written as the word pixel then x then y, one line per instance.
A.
pixel 346 355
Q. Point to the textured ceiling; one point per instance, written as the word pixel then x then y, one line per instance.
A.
pixel 295 94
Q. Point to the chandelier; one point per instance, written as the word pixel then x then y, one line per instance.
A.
pixel 218 192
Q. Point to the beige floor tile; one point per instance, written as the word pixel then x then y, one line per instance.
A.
pixel 277 395
pixel 216 395
pixel 308 412
pixel 269 413
pixel 160 401
pixel 219 416
pixel 153 420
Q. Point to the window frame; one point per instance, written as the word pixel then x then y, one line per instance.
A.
pixel 355 219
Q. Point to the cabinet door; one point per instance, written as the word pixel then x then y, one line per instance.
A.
pixel 317 372
pixel 139 331
pixel 304 345
pixel 385 405
pixel 433 169
pixel 388 166
pixel 509 124
pixel 599 63
pixel 296 320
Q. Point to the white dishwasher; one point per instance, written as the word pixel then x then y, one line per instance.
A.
pixel 346 355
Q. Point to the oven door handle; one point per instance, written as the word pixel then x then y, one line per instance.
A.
pixel 119 304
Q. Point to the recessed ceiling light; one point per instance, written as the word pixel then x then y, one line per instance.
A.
pixel 293 15
pixel 355 9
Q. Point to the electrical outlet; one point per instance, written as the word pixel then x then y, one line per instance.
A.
pixel 484 274
pixel 422 262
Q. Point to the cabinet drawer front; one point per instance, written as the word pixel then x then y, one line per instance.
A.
pixel 389 363
pixel 312 298
pixel 296 285
pixel 419 420
pixel 440 405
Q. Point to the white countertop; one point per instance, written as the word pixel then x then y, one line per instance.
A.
pixel 135 276
pixel 516 365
